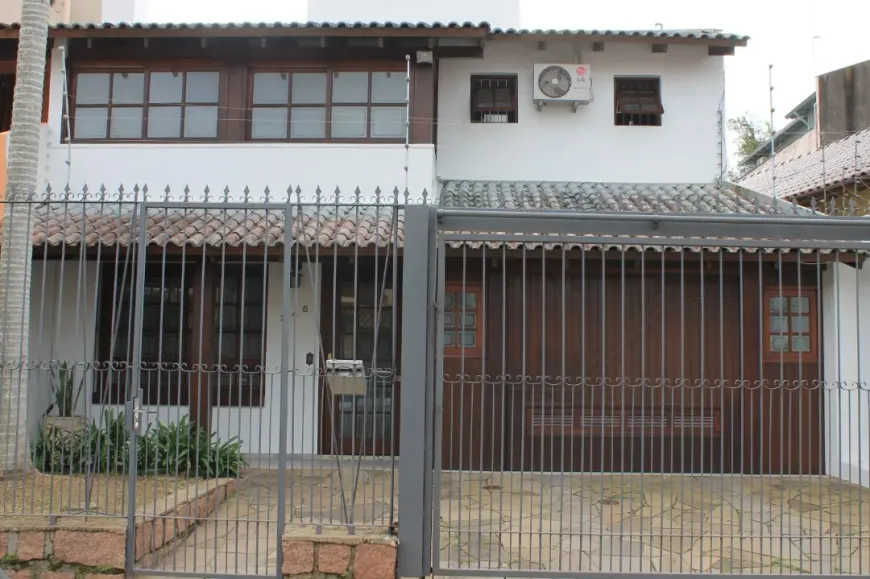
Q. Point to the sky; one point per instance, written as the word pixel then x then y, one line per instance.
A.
pixel 800 38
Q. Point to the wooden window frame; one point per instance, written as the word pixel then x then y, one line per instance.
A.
pixel 634 95
pixel 201 296
pixel 458 351
pixel 789 292
pixel 252 367
pixel 327 105
pixel 147 70
pixel 116 298
pixel 478 112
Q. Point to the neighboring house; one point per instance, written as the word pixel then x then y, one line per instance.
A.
pixel 317 105
pixel 798 136
pixel 833 179
pixel 821 153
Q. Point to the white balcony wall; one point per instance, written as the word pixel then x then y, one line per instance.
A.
pixel 557 144
pixel 846 330
pixel 237 166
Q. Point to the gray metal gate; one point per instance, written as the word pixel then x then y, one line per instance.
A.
pixel 634 393
pixel 257 524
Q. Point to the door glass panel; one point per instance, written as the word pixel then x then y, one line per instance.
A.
pixel 362 327
pixel 779 343
pixel 778 305
pixel 800 305
pixel 800 324
pixel 800 343
pixel 779 324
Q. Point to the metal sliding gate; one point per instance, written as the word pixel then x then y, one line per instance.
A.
pixel 634 393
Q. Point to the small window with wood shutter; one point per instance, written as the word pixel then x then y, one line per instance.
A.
pixel 638 102
pixel 494 98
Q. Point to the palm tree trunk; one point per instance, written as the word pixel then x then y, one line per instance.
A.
pixel 17 249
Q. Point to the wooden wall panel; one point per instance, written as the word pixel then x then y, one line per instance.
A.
pixel 599 345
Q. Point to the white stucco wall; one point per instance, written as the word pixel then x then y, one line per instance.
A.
pixel 62 328
pixel 253 165
pixel 557 144
pixel 846 331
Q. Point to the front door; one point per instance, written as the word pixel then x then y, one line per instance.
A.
pixel 363 330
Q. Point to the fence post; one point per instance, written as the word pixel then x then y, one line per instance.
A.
pixel 414 467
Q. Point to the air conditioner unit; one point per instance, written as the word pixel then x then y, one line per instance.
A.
pixel 563 83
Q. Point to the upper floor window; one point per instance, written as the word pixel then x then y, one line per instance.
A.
pixel 638 101
pixel 328 105
pixel 494 98
pixel 146 104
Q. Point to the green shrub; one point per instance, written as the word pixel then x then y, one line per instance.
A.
pixel 176 449
pixel 181 448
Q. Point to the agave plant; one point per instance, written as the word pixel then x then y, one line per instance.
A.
pixel 67 390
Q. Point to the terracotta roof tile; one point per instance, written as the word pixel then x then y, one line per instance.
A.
pixel 326 225
pixel 838 163
pixel 113 225
pixel 590 197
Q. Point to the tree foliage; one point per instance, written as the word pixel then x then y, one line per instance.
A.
pixel 749 134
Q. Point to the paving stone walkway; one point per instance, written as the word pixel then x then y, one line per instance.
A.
pixel 630 523
pixel 655 523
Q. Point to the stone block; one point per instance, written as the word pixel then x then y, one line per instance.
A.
pixel 57 575
pixel 333 559
pixel 375 562
pixel 183 521
pixel 4 544
pixel 19 573
pixel 31 545
pixel 164 532
pixel 298 557
pixel 143 538
pixel 98 549
pixel 109 576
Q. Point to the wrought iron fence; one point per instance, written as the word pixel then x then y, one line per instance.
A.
pixel 629 393
pixel 176 373
pixel 588 381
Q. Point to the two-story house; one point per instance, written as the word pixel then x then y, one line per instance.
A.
pixel 475 116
